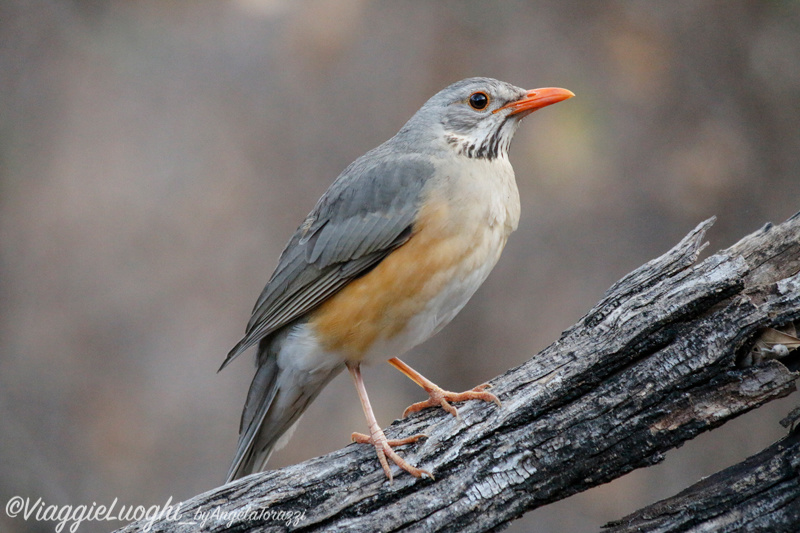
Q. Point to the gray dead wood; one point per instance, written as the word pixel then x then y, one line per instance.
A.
pixel 648 368
pixel 761 493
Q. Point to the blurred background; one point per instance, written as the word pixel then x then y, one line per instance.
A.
pixel 156 156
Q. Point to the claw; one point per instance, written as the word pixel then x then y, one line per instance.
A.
pixel 383 448
pixel 442 398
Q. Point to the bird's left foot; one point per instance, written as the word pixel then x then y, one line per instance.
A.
pixel 442 398
pixel 383 448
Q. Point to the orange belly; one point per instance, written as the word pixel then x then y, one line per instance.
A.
pixel 439 258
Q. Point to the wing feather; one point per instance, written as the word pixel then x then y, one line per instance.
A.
pixel 366 213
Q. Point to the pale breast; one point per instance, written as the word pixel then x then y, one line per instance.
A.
pixel 460 232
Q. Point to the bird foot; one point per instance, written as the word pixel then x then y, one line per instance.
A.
pixel 383 448
pixel 442 398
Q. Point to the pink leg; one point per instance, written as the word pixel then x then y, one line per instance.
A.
pixel 383 446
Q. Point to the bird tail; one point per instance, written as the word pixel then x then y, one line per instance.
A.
pixel 275 401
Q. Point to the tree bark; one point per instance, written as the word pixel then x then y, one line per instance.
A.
pixel 761 493
pixel 664 356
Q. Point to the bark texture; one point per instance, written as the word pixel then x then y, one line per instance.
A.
pixel 665 355
pixel 761 493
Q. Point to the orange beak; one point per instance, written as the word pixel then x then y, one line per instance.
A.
pixel 536 99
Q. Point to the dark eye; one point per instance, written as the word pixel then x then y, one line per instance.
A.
pixel 478 100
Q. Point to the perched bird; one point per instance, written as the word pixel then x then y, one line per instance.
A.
pixel 389 255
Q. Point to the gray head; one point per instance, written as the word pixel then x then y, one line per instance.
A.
pixel 476 117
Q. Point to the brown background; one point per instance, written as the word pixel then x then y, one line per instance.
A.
pixel 155 156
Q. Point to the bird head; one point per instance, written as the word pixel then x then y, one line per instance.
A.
pixel 477 117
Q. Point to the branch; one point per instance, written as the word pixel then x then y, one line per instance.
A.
pixel 648 368
pixel 761 493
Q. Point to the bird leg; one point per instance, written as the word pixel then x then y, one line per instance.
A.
pixel 438 396
pixel 383 446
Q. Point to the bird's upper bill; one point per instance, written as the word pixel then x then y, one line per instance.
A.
pixel 536 99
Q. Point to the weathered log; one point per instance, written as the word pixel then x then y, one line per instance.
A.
pixel 761 493
pixel 649 367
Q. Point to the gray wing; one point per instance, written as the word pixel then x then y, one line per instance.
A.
pixel 366 213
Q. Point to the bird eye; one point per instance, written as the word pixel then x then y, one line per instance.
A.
pixel 478 100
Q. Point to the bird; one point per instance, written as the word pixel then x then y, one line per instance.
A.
pixel 387 257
